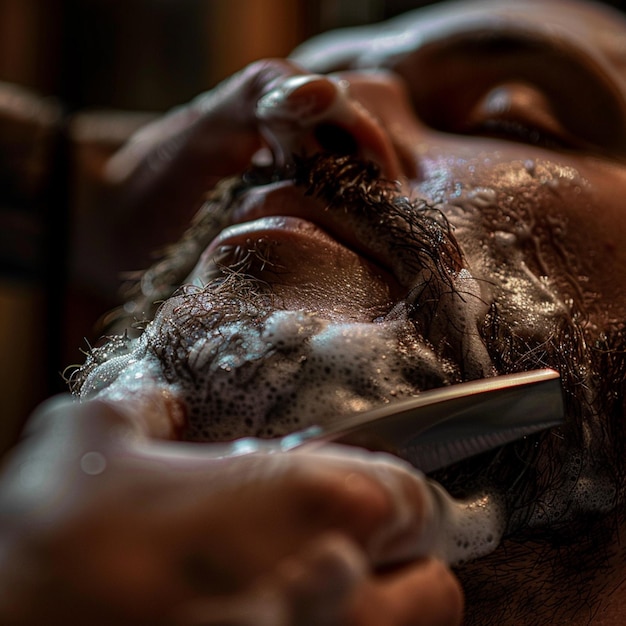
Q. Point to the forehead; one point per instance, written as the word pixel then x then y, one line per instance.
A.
pixel 584 29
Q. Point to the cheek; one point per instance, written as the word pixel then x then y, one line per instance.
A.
pixel 523 211
pixel 573 231
pixel 597 232
pixel 568 214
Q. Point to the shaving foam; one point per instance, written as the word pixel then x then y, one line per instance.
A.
pixel 463 530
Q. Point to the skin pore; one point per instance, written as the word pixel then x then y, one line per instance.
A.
pixel 322 286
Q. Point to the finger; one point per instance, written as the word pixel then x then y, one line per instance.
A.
pixel 145 412
pixel 379 502
pixel 384 503
pixel 425 593
pixel 320 580
pixel 216 132
pixel 311 113
pixel 311 588
pixel 66 439
pixel 64 421
pixel 162 176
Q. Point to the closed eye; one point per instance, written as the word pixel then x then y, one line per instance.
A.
pixel 518 112
pixel 518 85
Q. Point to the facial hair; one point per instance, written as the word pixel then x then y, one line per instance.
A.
pixel 228 343
pixel 550 480
pixel 565 496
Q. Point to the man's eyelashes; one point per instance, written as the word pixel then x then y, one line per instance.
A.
pixel 520 131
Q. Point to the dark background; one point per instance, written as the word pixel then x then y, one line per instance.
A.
pixel 153 54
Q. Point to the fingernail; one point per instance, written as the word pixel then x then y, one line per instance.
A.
pixel 300 99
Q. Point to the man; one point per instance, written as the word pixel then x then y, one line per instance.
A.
pixel 424 202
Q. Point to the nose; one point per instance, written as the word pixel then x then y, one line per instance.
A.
pixel 309 114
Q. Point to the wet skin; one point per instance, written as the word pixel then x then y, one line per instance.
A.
pixel 523 84
pixel 527 101
pixel 509 120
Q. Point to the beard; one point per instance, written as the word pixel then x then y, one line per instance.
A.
pixel 248 367
pixel 252 368
pixel 564 492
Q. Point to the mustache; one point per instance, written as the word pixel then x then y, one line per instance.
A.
pixel 416 233
pixel 419 232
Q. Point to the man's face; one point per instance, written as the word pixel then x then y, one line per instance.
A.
pixel 525 104
pixel 516 128
pixel 501 249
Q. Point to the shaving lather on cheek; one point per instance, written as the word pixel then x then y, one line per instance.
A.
pixel 434 430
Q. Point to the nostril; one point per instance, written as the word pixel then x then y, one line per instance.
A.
pixel 334 139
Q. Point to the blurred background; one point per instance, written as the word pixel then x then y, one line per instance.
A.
pixel 76 78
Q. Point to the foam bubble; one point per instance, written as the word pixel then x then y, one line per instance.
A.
pixel 466 529
pixel 296 370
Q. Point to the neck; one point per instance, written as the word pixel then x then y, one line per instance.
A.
pixel 573 578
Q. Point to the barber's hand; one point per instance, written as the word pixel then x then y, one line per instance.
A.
pixel 273 108
pixel 100 525
pixel 178 157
